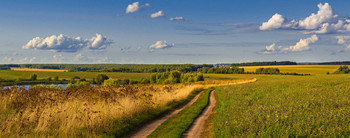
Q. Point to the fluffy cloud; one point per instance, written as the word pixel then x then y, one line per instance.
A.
pixel 302 45
pixel 274 22
pixel 344 40
pixel 180 18
pixel 324 21
pixel 325 13
pixel 161 45
pixel 98 42
pixel 63 43
pixel 157 14
pixel 134 7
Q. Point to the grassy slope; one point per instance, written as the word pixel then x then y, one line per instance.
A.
pixel 179 123
pixel 304 69
pixel 284 106
pixel 6 74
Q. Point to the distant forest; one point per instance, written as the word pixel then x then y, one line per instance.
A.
pixel 332 63
pixel 265 63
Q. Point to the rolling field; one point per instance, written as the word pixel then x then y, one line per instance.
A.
pixel 284 106
pixel 274 105
pixel 46 70
pixel 302 69
pixel 8 74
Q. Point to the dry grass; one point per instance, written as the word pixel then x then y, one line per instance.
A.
pixel 88 111
pixel 45 70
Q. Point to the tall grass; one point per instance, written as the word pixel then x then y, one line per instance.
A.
pixel 88 111
pixel 313 106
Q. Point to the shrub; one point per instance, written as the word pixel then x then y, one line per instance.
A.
pixel 100 78
pixel 33 77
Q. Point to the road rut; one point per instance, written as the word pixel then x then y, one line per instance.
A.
pixel 150 127
pixel 198 126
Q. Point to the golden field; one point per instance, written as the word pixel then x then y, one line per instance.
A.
pixel 302 69
pixel 39 70
pixel 90 111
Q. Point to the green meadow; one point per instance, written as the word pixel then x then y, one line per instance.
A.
pixel 284 106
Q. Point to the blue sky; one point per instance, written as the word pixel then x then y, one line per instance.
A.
pixel 205 31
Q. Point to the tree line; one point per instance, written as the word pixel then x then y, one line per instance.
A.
pixel 172 77
pixel 270 63
pixel 222 70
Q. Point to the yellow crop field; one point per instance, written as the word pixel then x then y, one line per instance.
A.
pixel 302 69
pixel 45 70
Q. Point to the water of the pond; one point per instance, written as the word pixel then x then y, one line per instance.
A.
pixel 27 87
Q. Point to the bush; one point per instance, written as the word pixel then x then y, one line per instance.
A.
pixel 342 70
pixel 100 78
pixel 55 78
pixel 33 77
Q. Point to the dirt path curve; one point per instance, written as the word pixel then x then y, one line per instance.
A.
pixel 198 126
pixel 150 127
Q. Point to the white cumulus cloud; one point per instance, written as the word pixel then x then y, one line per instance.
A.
pixel 322 22
pixel 134 7
pixel 63 43
pixel 157 14
pixel 161 45
pixel 325 13
pixel 302 45
pixel 274 22
pixel 180 18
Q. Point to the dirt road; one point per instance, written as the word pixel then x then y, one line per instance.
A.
pixel 149 128
pixel 198 125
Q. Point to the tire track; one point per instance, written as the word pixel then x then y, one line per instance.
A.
pixel 198 126
pixel 150 127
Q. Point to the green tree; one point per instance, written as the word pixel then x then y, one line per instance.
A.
pixel 100 78
pixel 33 77
pixel 200 77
